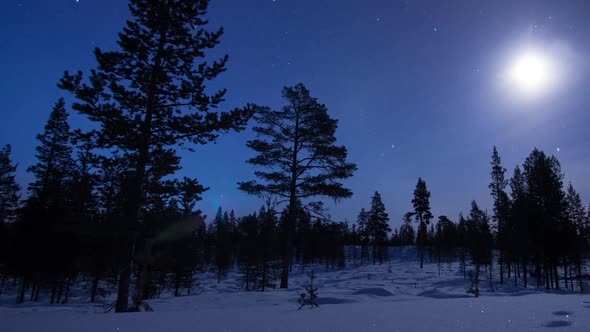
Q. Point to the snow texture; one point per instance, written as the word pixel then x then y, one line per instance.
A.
pixel 358 298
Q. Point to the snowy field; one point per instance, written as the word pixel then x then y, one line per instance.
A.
pixel 358 298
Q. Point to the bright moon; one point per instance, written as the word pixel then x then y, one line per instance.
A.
pixel 531 73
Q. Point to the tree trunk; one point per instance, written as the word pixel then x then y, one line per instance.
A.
pixel 36 299
pixel 94 288
pixel 33 289
pixel 59 291
pixel 501 263
pixel 122 304
pixel 53 293
pixel 524 273
pixel 20 298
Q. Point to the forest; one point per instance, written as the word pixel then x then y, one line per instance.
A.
pixel 107 212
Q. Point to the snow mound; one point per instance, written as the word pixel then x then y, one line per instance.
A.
pixel 374 291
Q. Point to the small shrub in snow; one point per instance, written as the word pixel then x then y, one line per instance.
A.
pixel 311 296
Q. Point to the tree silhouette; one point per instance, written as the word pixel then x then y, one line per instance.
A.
pixel 297 146
pixel 9 189
pixel 422 215
pixel 150 96
pixel 501 206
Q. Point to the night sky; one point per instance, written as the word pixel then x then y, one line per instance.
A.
pixel 419 87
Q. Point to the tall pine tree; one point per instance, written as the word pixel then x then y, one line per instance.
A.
pixel 297 146
pixel 501 206
pixel 378 228
pixel 149 96
pixel 422 215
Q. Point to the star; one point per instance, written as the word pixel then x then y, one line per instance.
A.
pixel 558 149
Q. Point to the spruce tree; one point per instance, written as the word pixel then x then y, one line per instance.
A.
pixel 479 241
pixel 544 183
pixel 501 206
pixel 223 245
pixel 520 224
pixel 378 228
pixel 149 96
pixel 297 147
pixel 422 215
pixel 407 234
pixel 55 165
pixel 363 230
pixel 47 216
pixel 574 209
pixel 9 189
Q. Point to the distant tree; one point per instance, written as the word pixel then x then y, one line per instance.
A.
pixel 149 97
pixel 223 244
pixel 501 206
pixel 9 189
pixel 422 215
pixel 364 235
pixel 574 209
pixel 268 250
pixel 462 243
pixel 46 223
pixel 445 239
pixel 297 145
pixel 378 228
pixel 574 230
pixel 479 241
pixel 544 183
pixel 55 165
pixel 521 224
pixel 248 246
pixel 259 250
pixel 407 234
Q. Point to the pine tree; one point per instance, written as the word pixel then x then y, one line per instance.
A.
pixel 501 206
pixel 544 183
pixel 9 189
pixel 150 96
pixel 479 241
pixel 520 224
pixel 47 215
pixel 407 234
pixel 223 245
pixel 574 210
pixel 462 243
pixel 364 235
pixel 297 145
pixel 378 228
pixel 55 165
pixel 422 215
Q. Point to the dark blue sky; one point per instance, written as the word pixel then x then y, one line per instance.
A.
pixel 417 86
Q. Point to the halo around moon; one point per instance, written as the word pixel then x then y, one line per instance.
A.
pixel 531 73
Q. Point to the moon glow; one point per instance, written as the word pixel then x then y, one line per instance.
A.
pixel 531 73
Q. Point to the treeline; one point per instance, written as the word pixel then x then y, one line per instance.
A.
pixel 539 227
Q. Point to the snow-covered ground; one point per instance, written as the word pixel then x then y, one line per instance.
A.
pixel 358 298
